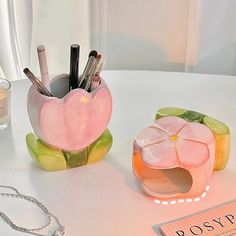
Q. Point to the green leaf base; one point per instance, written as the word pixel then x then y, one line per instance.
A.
pixel 56 159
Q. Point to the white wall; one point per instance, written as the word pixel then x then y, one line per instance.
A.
pixel 139 34
pixel 57 25
pixel 184 35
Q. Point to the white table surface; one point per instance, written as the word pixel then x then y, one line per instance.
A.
pixel 104 198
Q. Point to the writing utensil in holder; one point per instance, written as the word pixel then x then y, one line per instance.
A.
pixel 98 59
pixel 99 68
pixel 95 82
pixel 37 83
pixel 92 73
pixel 43 66
pixel 88 69
pixel 74 66
pixel 96 79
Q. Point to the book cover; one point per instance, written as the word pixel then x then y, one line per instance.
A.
pixel 216 221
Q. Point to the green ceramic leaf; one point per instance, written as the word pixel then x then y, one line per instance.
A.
pixel 193 116
pixel 46 157
pixel 100 147
pixel 75 159
pixel 169 111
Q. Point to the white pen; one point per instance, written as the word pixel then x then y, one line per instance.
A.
pixel 43 66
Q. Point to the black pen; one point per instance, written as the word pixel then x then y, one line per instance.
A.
pixel 74 66
pixel 37 83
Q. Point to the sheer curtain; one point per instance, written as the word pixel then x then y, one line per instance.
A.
pixel 15 37
pixel 185 35
pixel 25 24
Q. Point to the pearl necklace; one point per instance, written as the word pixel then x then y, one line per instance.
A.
pixel 60 230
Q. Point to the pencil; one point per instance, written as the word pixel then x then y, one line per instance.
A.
pixel 37 83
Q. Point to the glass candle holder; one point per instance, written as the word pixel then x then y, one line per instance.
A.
pixel 5 103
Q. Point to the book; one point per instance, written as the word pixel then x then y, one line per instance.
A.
pixel 217 221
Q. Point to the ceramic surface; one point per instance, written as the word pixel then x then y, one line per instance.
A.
pixel 69 121
pixel 174 158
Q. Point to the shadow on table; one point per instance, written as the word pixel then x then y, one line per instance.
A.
pixel 129 179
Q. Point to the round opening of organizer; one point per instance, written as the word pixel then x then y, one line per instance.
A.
pixel 168 182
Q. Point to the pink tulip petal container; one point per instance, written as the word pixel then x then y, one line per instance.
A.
pixel 69 121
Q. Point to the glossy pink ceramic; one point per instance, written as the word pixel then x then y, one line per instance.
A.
pixel 73 121
pixel 174 158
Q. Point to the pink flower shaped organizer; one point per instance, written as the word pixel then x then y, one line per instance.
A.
pixel 68 121
pixel 175 158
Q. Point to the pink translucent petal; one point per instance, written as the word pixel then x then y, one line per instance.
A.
pixel 161 155
pixel 171 124
pixel 196 132
pixel 75 121
pixel 150 135
pixel 191 153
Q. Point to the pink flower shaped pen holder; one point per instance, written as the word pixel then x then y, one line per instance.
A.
pixel 68 122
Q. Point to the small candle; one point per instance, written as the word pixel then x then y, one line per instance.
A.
pixel 4 103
